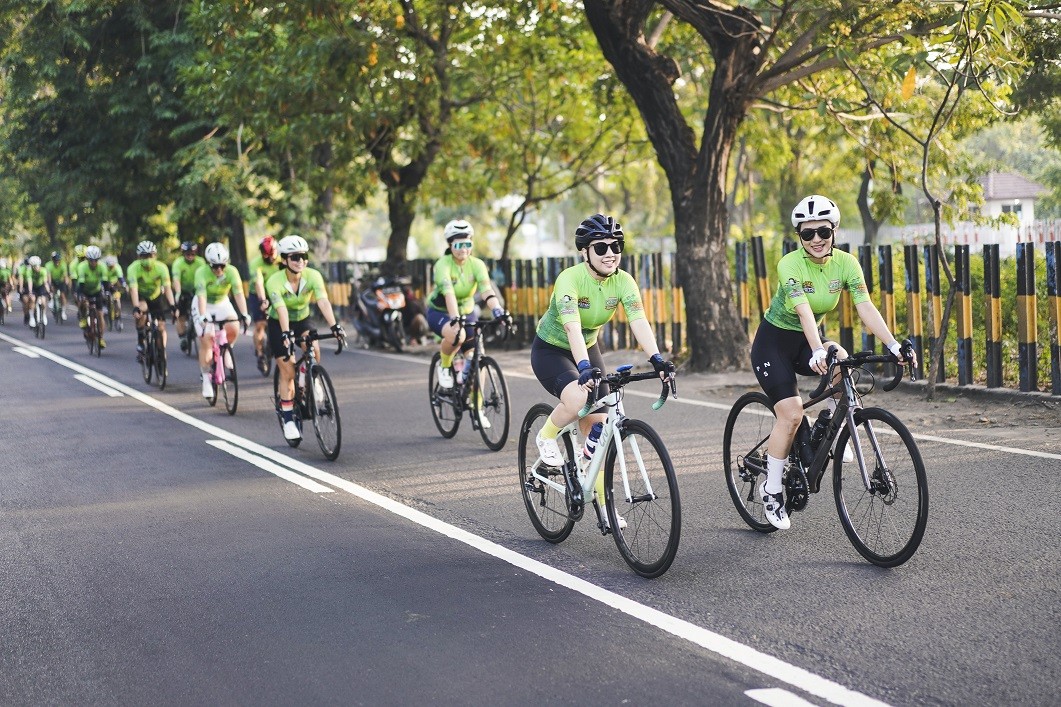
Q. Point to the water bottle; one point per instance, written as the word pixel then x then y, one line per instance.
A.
pixel 817 432
pixel 458 369
pixel 803 443
pixel 302 376
pixel 591 441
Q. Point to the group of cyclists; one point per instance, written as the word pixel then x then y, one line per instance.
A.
pixel 565 354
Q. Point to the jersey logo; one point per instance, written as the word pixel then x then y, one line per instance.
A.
pixel 794 289
pixel 834 286
pixel 634 307
pixel 860 288
pixel 808 287
pixel 583 303
pixel 566 305
pixel 611 303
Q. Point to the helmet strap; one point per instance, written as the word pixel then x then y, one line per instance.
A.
pixel 602 276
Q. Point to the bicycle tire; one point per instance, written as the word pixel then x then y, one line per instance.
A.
pixel 747 430
pixel 42 312
pixel 264 362
pixel 447 408
pixel 886 528
pixel 324 411
pixel 230 386
pixel 279 415
pixel 161 364
pixel 546 506
pixel 650 540
pixel 489 387
pixel 147 358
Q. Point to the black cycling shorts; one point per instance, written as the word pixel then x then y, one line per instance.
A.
pixel 275 334
pixel 777 356
pixel 158 307
pixel 184 303
pixel 254 308
pixel 555 367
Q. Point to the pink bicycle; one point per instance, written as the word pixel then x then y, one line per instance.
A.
pixel 224 373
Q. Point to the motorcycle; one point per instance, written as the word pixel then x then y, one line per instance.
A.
pixel 378 313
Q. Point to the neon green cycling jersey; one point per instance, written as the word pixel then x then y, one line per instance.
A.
pixel 116 273
pixel 802 281
pixel 280 291
pixel 57 271
pixel 35 278
pixel 74 267
pixel 216 288
pixel 148 276
pixel 259 268
pixel 184 272
pixel 5 275
pixel 580 297
pixel 92 276
pixel 461 281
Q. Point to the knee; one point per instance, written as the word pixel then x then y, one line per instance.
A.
pixel 789 414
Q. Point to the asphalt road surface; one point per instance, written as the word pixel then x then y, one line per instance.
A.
pixel 156 550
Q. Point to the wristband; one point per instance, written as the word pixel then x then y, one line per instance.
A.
pixel 584 364
pixel 896 348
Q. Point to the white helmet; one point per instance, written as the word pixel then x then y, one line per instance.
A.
pixel 145 248
pixel 93 252
pixel 216 254
pixel 458 229
pixel 34 261
pixel 3 262
pixel 110 261
pixel 292 244
pixel 816 208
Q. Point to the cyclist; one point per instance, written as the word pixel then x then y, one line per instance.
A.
pixel 565 355
pixel 75 263
pixel 213 285
pixel 59 273
pixel 183 270
pixel 261 269
pixel 788 341
pixel 91 277
pixel 458 277
pixel 149 292
pixel 35 283
pixel 117 282
pixel 6 275
pixel 290 292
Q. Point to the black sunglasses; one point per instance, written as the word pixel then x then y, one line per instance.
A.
pixel 602 248
pixel 218 266
pixel 823 232
pixel 298 256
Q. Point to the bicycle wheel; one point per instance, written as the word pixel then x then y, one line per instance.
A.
pixel 279 416
pixel 324 410
pixel 546 506
pixel 490 404
pixel 161 365
pixel 147 358
pixel 744 456
pixel 41 319
pixel 446 406
pixel 265 363
pixel 230 386
pixel 653 509
pixel 886 523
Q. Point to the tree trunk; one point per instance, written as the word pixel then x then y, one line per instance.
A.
pixel 401 210
pixel 237 242
pixel 869 226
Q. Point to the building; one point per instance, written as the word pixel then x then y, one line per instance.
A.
pixel 1005 192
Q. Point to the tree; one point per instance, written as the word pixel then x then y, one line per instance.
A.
pixel 755 50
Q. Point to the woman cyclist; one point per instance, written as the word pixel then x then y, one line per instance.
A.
pixel 458 277
pixel 290 292
pixel 213 285
pixel 261 269
pixel 565 355
pixel 788 342
pixel 149 292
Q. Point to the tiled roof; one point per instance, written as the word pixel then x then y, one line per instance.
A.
pixel 1006 185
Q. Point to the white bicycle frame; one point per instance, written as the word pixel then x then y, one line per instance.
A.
pixel 587 474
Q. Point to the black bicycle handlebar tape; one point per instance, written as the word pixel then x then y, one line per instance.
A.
pixel 830 358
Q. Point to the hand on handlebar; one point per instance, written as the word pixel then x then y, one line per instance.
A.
pixel 664 369
pixel 904 352
pixel 588 374
pixel 287 338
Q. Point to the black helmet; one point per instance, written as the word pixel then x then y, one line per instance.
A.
pixel 56 255
pixel 189 247
pixel 595 228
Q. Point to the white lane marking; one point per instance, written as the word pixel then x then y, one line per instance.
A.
pixel 25 352
pixel 776 697
pixel 92 383
pixel 266 465
pixel 709 640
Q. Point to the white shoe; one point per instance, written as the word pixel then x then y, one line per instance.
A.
pixel 63 314
pixel 607 525
pixel 291 430
pixel 32 321
pixel 208 387
pixel 484 421
pixel 44 320
pixel 549 451
pixel 445 376
pixel 849 454
pixel 774 505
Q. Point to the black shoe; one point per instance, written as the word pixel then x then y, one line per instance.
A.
pixel 184 346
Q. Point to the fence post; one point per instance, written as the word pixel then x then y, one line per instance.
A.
pixel 759 259
pixel 865 260
pixel 913 305
pixel 935 306
pixel 1053 290
pixel 887 293
pixel 787 246
pixel 964 314
pixel 678 305
pixel 740 253
pixel 993 316
pixel 1027 348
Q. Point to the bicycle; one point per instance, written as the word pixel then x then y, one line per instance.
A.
pixel 92 332
pixel 882 503
pixel 264 360
pixel 223 376
pixel 40 313
pixel 113 314
pixel 56 306
pixel 315 401
pixel 482 384
pixel 642 509
pixel 153 359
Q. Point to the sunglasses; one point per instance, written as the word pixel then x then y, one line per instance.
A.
pixel 823 232
pixel 461 245
pixel 298 256
pixel 144 256
pixel 219 266
pixel 602 248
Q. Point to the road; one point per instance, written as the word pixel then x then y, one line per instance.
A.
pixel 156 549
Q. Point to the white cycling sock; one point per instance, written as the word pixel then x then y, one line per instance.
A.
pixel 774 469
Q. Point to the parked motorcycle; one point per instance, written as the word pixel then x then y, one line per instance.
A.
pixel 378 315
